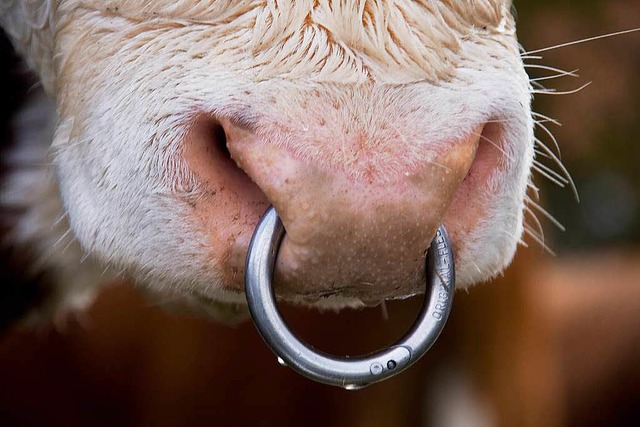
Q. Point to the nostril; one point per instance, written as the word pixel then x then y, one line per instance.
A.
pixel 219 140
pixel 226 204
pixel 209 158
pixel 214 137
pixel 490 154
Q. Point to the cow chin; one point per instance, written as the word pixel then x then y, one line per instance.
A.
pixel 168 153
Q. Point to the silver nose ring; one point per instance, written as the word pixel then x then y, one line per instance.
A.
pixel 348 372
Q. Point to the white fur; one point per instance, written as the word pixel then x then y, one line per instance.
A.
pixel 129 75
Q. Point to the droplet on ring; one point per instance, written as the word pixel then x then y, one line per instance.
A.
pixel 352 387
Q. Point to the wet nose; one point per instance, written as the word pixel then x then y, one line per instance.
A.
pixel 359 212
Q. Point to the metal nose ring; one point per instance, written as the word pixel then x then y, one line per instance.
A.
pixel 352 372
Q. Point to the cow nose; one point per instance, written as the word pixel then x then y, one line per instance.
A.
pixel 359 212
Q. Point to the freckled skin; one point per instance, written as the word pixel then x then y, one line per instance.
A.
pixel 357 236
pixel 231 205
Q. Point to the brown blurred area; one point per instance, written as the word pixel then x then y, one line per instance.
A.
pixel 555 342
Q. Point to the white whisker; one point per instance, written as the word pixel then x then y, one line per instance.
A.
pixel 555 92
pixel 66 247
pixel 59 220
pixel 553 138
pixel 476 267
pixel 548 68
pixel 556 76
pixel 498 121
pixel 549 177
pixel 104 271
pixel 541 153
pixel 546 119
pixel 589 39
pixel 538 85
pixel 537 222
pixel 538 240
pixel 85 257
pixel 544 212
pixel 64 236
pixel 535 189
pixel 562 168
pixel 551 172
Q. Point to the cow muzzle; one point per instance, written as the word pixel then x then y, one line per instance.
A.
pixel 360 210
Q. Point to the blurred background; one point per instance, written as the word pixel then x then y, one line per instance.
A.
pixel 555 342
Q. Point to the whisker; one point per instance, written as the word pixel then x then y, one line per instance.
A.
pixel 556 76
pixel 547 151
pixel 548 68
pixel 535 190
pixel 546 118
pixel 476 266
pixel 589 39
pixel 59 220
pixel 555 92
pixel 551 172
pixel 553 138
pixel 34 86
pixel 549 177
pixel 546 213
pixel 68 245
pixel 538 240
pixel 85 257
pixel 64 236
pixel 540 153
pixel 561 166
pixel 536 221
pixel 537 85
pixel 498 121
pixel 508 233
pixel 105 271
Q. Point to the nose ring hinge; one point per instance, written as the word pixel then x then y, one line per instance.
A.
pixel 353 372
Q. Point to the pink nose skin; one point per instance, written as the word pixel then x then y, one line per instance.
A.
pixel 359 216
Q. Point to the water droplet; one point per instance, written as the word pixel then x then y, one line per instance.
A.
pixel 282 362
pixel 353 386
